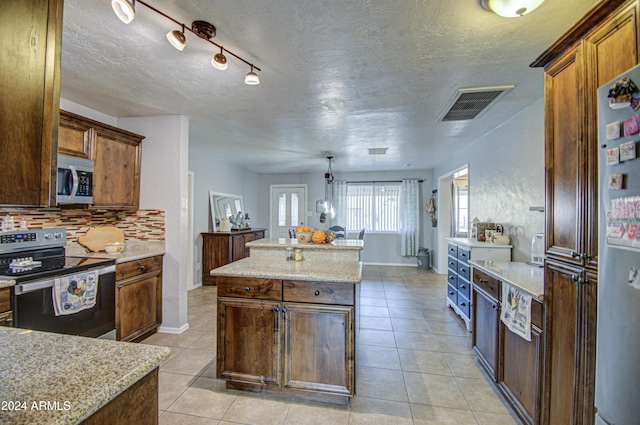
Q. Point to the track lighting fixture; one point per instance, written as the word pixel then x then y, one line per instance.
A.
pixel 251 78
pixel 219 60
pixel 177 39
pixel 125 11
pixel 511 8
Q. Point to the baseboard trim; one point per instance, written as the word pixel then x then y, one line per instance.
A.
pixel 172 330
pixel 390 264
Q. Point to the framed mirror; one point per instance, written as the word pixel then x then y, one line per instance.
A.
pixel 223 205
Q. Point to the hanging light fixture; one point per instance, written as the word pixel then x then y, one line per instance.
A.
pixel 328 191
pixel 219 60
pixel 251 78
pixel 124 10
pixel 511 8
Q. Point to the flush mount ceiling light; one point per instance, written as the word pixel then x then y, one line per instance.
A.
pixel 511 8
pixel 125 11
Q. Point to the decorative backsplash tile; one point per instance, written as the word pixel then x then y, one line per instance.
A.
pixel 143 225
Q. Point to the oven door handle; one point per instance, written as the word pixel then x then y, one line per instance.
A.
pixel 42 284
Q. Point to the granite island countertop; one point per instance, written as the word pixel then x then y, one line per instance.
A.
pixel 77 375
pixel 338 244
pixel 321 271
pixel 521 275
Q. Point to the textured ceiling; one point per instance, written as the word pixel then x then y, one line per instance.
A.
pixel 337 75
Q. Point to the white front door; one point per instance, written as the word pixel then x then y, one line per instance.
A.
pixel 288 208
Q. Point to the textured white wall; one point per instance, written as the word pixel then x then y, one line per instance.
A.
pixel 506 177
pixel 163 185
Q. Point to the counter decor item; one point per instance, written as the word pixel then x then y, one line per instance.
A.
pixel 304 236
pixel 96 237
pixel 114 247
pixel 481 228
pixel 298 255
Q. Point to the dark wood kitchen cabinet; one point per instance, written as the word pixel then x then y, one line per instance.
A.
pixel 287 337
pixel 116 154
pixel 220 248
pixel 486 321
pixel 599 47
pixel 30 36
pixel 6 314
pixel 138 298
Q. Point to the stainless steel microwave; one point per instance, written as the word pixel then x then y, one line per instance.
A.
pixel 75 180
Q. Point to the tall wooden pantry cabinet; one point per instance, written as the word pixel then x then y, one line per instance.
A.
pixel 602 45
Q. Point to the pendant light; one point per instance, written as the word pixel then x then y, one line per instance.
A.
pixel 511 8
pixel 124 10
pixel 219 60
pixel 328 191
pixel 177 39
pixel 251 78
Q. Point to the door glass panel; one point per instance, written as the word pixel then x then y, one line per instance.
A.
pixel 282 209
pixel 294 209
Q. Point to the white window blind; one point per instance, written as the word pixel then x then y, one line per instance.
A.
pixel 373 206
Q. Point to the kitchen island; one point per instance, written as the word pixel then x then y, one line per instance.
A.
pixel 52 378
pixel 288 327
pixel 338 250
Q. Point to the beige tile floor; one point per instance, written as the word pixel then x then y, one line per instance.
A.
pixel 414 365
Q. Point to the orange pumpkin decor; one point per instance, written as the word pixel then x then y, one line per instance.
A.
pixel 299 229
pixel 307 229
pixel 318 236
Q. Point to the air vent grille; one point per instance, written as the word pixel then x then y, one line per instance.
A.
pixel 468 104
pixel 378 151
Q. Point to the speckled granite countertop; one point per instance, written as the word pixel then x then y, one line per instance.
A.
pixel 521 275
pixel 7 283
pixel 472 243
pixel 134 250
pixel 346 244
pixel 78 375
pixel 340 272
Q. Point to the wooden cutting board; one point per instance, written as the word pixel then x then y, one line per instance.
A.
pixel 96 237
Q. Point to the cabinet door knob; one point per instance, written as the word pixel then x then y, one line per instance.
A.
pixel 483 280
pixel 463 286
pixel 284 310
pixel 247 289
pixel 574 278
pixel 119 286
pixel 8 320
pixel 277 309
pixel 143 268
pixel 580 255
pixel 316 293
pixel 463 304
pixel 451 293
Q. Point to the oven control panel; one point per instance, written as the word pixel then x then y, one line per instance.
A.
pixel 20 240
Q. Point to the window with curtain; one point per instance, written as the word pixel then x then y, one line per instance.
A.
pixel 462 210
pixel 373 206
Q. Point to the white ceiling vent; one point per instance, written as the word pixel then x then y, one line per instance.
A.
pixel 378 151
pixel 470 103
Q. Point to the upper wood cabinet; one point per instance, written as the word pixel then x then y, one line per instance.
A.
pixel 116 155
pixel 30 40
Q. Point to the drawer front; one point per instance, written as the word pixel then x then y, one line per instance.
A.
pixel 464 288
pixel 452 294
pixel 463 305
pixel 138 267
pixel 318 292
pixel 464 255
pixel 240 287
pixel 5 299
pixel 452 279
pixel 453 250
pixel 452 263
pixel 464 270
pixel 489 284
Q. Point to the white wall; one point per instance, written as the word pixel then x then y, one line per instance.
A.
pixel 211 173
pixel 379 248
pixel 506 177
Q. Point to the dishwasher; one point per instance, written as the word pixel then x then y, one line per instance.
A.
pixel 36 260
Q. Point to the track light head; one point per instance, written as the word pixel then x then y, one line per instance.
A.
pixel 124 10
pixel 219 61
pixel 251 78
pixel 177 39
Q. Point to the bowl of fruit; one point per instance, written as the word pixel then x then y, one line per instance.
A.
pixel 304 233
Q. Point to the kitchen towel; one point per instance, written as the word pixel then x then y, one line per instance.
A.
pixel 75 293
pixel 516 311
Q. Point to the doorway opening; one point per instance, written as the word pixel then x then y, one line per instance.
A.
pixel 453 212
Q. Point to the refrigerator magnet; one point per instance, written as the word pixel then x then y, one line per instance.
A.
pixel 615 181
pixel 634 278
pixel 631 125
pixel 628 151
pixel 613 130
pixel 613 156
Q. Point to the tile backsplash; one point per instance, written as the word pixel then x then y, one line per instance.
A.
pixel 137 225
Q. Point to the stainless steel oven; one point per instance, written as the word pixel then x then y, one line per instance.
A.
pixel 35 259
